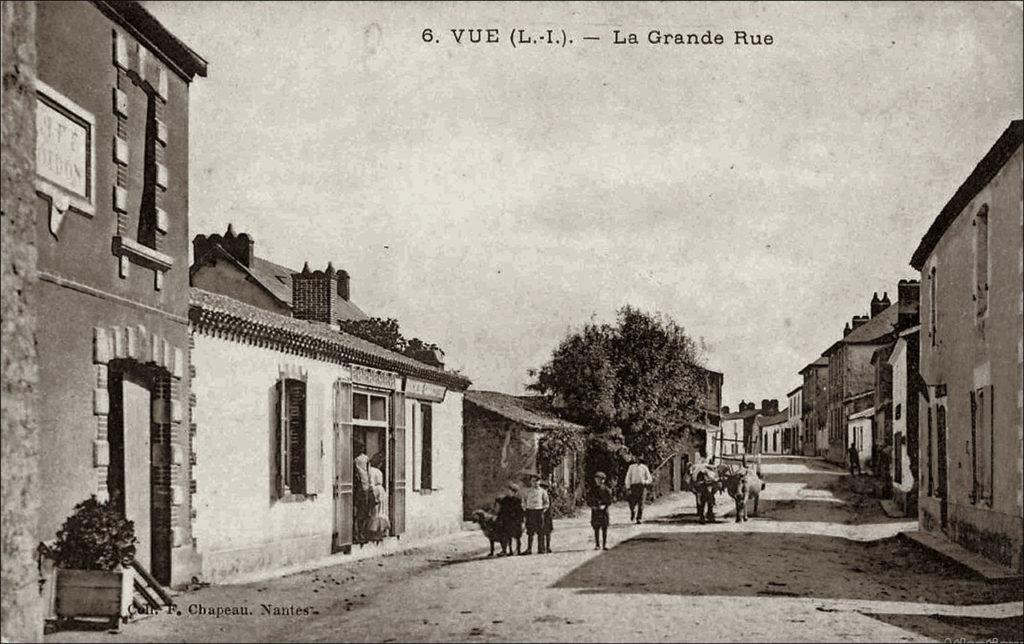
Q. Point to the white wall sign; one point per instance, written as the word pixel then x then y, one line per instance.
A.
pixel 423 390
pixel 65 155
pixel 373 377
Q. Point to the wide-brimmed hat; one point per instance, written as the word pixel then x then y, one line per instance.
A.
pixel 599 475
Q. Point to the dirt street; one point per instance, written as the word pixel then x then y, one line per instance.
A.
pixel 819 563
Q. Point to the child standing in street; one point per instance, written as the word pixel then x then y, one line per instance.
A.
pixel 510 520
pixel 547 525
pixel 599 501
pixel 535 501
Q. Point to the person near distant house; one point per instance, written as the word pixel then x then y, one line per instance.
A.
pixel 599 500
pixel 638 479
pixel 547 525
pixel 510 520
pixel 361 495
pixel 535 501
pixel 854 456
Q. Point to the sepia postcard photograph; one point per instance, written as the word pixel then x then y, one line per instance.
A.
pixel 419 321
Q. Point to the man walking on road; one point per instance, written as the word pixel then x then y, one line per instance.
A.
pixel 638 477
pixel 854 458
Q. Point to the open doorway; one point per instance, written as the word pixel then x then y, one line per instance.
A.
pixel 129 478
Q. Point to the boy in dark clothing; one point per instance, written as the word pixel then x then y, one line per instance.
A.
pixel 510 520
pixel 599 501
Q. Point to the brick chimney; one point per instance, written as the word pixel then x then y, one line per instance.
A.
pixel 859 320
pixel 239 246
pixel 770 406
pixel 316 294
pixel 908 299
pixel 876 305
pixel 846 330
pixel 725 410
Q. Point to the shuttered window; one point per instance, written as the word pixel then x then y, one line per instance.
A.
pixel 298 439
pixel 981 444
pixel 427 446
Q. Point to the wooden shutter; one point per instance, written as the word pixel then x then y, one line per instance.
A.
pixel 985 451
pixel 342 536
pixel 314 437
pixel 427 432
pixel 295 413
pixel 972 447
pixel 397 496
pixel 415 429
pixel 281 480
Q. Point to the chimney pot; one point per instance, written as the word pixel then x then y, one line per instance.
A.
pixel 877 305
pixel 344 285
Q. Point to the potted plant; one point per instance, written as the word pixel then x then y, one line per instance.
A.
pixel 93 554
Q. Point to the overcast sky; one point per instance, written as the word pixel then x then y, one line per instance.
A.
pixel 492 197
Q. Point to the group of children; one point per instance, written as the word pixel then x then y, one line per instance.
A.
pixel 532 507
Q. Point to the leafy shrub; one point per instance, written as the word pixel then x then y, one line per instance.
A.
pixel 563 502
pixel 95 537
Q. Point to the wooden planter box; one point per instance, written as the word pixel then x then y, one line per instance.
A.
pixel 94 593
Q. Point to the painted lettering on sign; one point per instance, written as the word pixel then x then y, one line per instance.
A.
pixel 63 149
pixel 373 377
pixel 423 390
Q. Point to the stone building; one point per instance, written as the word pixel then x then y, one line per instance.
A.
pixel 111 229
pixel 815 403
pixel 21 615
pixel 851 375
pixel 904 440
pixel 803 441
pixel 297 400
pixel 860 433
pixel 501 442
pixel 775 433
pixel 881 422
pixel 971 352
pixel 740 433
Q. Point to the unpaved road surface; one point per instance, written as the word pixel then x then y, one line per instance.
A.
pixel 819 563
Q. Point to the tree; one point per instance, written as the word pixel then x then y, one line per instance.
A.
pixel 380 331
pixel 642 376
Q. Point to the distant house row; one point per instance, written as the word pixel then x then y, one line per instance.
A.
pixel 928 387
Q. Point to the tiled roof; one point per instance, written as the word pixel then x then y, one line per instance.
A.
pixel 867 413
pixel 525 410
pixel 820 362
pixel 278 280
pixel 876 328
pixel 987 168
pixel 774 419
pixel 226 316
pixel 275 278
pixel 742 414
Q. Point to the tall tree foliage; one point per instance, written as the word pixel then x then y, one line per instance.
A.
pixel 385 332
pixel 642 376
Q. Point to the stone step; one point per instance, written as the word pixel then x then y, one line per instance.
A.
pixel 956 553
